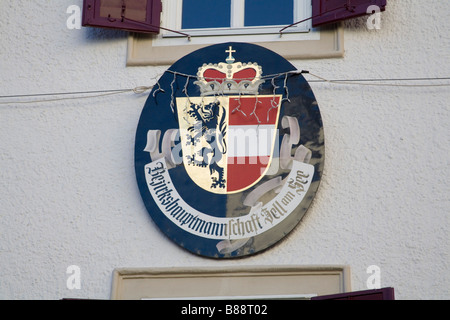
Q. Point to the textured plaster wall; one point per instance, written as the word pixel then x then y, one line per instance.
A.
pixel 67 187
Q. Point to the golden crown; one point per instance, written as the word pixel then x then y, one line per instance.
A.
pixel 229 77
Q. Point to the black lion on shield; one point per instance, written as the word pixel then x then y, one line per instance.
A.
pixel 210 126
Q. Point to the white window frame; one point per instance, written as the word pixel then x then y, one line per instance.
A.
pixel 298 42
pixel 172 19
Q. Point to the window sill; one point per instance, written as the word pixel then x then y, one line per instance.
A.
pixel 144 51
pixel 256 282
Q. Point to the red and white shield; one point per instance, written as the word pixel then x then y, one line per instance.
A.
pixel 228 141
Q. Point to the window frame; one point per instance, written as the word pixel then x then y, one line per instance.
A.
pixel 255 282
pixel 155 50
pixel 143 50
pixel 172 19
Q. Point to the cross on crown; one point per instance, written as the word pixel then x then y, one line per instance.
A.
pixel 229 77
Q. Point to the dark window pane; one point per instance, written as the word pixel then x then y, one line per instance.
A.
pixel 199 14
pixel 269 12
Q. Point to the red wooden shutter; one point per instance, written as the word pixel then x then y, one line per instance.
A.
pixel 329 11
pixel 130 15
pixel 376 294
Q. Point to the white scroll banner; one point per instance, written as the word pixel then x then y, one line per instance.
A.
pixel 261 218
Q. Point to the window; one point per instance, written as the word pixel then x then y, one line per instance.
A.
pixel 202 18
pixel 255 21
pixel 267 13
pixel 217 14
pixel 214 14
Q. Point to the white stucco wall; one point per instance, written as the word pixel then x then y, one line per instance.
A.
pixel 68 194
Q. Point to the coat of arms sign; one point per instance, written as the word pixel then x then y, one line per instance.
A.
pixel 229 150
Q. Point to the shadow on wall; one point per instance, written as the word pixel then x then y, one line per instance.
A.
pixel 93 34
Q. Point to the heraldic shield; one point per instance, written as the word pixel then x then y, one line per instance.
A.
pixel 228 141
pixel 220 162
